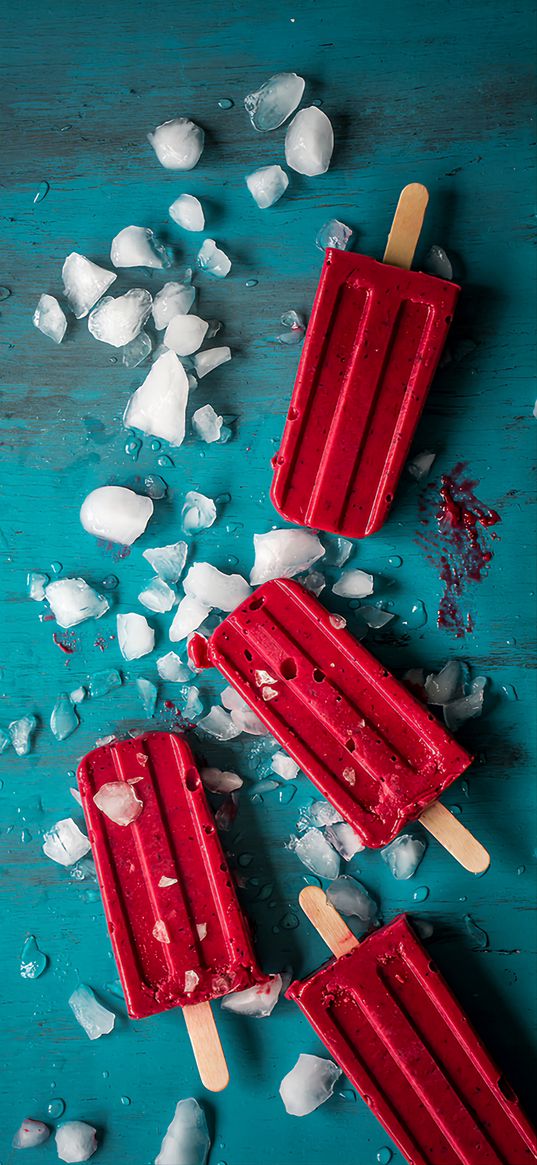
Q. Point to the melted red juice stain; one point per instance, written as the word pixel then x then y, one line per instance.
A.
pixel 67 648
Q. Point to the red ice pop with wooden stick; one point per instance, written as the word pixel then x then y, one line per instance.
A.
pixel 390 1021
pixel 179 936
pixel 373 343
pixel 371 747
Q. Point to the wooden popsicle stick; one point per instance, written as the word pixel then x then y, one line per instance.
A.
pixel 326 920
pixel 406 226
pixel 455 837
pixel 208 1051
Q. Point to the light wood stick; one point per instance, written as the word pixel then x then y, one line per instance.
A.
pixel 454 836
pixel 206 1046
pixel 326 920
pixel 406 226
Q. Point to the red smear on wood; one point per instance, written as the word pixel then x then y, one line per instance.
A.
pixel 67 647
pixel 118 552
pixel 100 643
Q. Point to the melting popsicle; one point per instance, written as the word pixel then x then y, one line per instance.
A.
pixel 373 343
pixel 178 933
pixel 389 1019
pixel 370 746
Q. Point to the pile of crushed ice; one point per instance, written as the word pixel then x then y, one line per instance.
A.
pixel 452 690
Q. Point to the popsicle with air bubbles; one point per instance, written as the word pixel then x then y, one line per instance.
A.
pixel 374 340
pixel 178 933
pixel 389 1019
pixel 374 751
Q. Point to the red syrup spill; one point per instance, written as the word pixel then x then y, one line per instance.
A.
pixel 459 548
pixel 67 648
pixel 118 552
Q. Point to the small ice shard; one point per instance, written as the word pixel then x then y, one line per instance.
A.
pixel 338 551
pixel 219 724
pixel 220 781
pixel 158 406
pixel 214 588
pixel 190 614
pixel 256 1002
pixel 118 321
pixel 207 424
pixel 65 843
pixel 201 928
pixel 309 142
pixel 33 961
pixel 84 283
pixel 447 685
pixel 78 695
pixel 36 583
pixel 21 732
pixel 138 247
pixel 316 853
pixel 30 1134
pixel 160 931
pixel 415 678
pixel 333 234
pixel 437 263
pixel 75 1141
pixel 164 882
pixel 191 704
pixel 185 334
pixel 116 513
pixel 275 101
pixel 242 715
pixel 49 318
pixel 167 561
pixel 102 682
pixel 322 813
pixel 191 981
pixel 96 1020
pixel 171 668
pixel 344 839
pixel 136 351
pixel 296 324
pixel 72 601
pixel 267 185
pixel 375 617
pixel 174 299
pixel 205 362
pixel 178 144
pixel 350 897
pixel 187 1140
pixel 135 636
pixel 314 582
pixel 284 766
pixel 353 584
pixel 157 596
pixel 284 553
pixel 308 1084
pixel 198 513
pixel 403 856
pixel 63 719
pixel 187 211
pixel 420 465
pixel 148 693
pixel 119 801
pixel 210 258
pixel 467 707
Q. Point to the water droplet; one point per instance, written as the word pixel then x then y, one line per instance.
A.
pixel 480 937
pixel 521 870
pixel 384 1156
pixel 251 283
pixel 165 462
pixel 286 794
pixel 56 567
pixel 463 898
pixel 289 921
pixel 132 447
pixel 113 360
pixel 226 103
pixel 275 930
pixel 317 102
pixel 56 1108
pixel 91 895
pixel 234 527
pixel 416 617
pixel 156 487
pixel 1 785
pixel 421 893
pixel 395 561
pixel 455 810
pixel 125 1100
pixel 511 642
pixel 265 892
pixel 26 836
pixel 33 961
pixel 41 192
pixel 110 582
pixel 105 1075
pixel 222 499
pixel 465 786
pixel 233 560
pixel 509 691
pixel 348 1094
pixel 245 860
pixel 510 977
pixel 155 446
pixel 5 293
pixel 311 880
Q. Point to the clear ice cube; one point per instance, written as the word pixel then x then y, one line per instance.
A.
pixel 21 732
pixel 351 898
pixel 84 283
pixel 438 263
pixel 171 668
pixel 420 465
pixel 118 321
pixel 30 1134
pixel 135 636
pixel 63 719
pixel 447 685
pixel 198 513
pixel 284 766
pixel 284 553
pixel 187 212
pixel 211 586
pixel 333 234
pixel 168 561
pixel 185 334
pixel 72 601
pixel 220 781
pixel 267 185
pixel 137 351
pixel 178 143
pixel 119 801
pixel 49 318
pixel 190 614
pixel 353 584
pixel 148 693
pixel 75 1141
pixel 187 1140
pixel 242 715
pixel 309 1084
pixel 316 853
pixel 375 617
pixel 296 325
pixel 65 843
pixel 403 856
pixel 174 299
pixel 309 142
pixel 102 682
pixel 138 247
pixel 210 258
pixel 36 583
pixel 206 424
pixel 158 406
pixel 205 362
pixel 157 596
pixel 314 582
pixel 274 101
pixel 96 1020
pixel 218 723
pixel 116 514
pixel 256 1002
pixel 468 707
pixel 344 839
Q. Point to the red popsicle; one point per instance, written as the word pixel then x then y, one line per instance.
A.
pixel 388 1018
pixel 370 746
pixel 179 936
pixel 373 343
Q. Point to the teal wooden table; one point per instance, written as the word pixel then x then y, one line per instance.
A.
pixel 435 92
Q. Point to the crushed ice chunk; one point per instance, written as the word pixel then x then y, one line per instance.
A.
pixel 49 318
pixel 178 143
pixel 267 185
pixel 187 212
pixel 164 882
pixel 198 513
pixel 187 1140
pixel 116 513
pixel 308 1084
pixel 148 694
pixel 96 1020
pixel 438 263
pixel 256 1002
pixel 338 551
pixel 210 258
pixel 84 283
pixel 205 362
pixel 201 928
pixel 190 614
pixel 333 234
pixel 138 247
pixel 168 561
pixel 467 707
pixel 353 584
pixel 284 766
pixel 21 732
pixel 214 588
pixel 447 685
pixel 136 351
pixel 219 724
pixel 296 324
pixel 158 406
pixel 30 1134
pixel 135 636
pixel 118 321
pixel 314 582
pixel 102 682
pixel 344 839
pixel 119 801
pixel 36 582
pixel 191 704
pixel 63 719
pixel 75 1141
pixel 316 853
pixel 160 931
pixel 72 601
pixel 309 142
pixel 403 856
pixel 274 101
pixel 242 715
pixel 220 781
pixel 157 596
pixel 206 424
pixel 174 299
pixel 171 668
pixel 284 553
pixel 185 334
pixel 420 465
pixel 78 695
pixel 319 813
pixel 350 897
pixel 65 843
pixel 191 981
pixel 375 617
pixel 263 677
